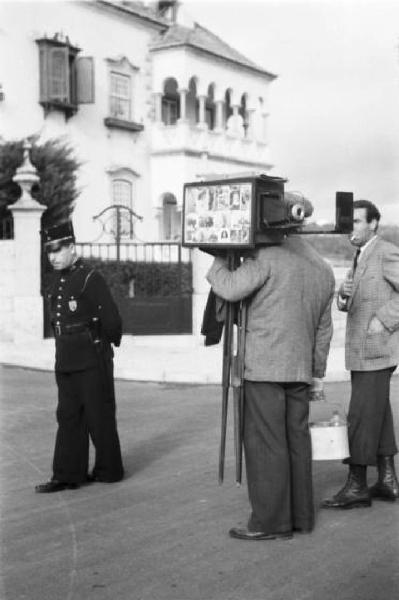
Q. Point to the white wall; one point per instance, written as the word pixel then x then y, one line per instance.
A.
pixel 7 286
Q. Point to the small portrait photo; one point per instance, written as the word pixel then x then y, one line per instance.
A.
pixel 238 219
pixel 190 199
pixel 211 198
pixel 206 221
pixel 245 234
pixel 222 198
pixel 235 203
pixel 224 235
pixel 192 221
pixel 202 200
pixel 213 236
pixel 222 219
pixel 245 197
pixel 235 236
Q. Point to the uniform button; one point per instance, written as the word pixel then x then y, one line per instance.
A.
pixel 58 314
pixel 62 280
pixel 57 323
pixel 59 297
pixel 58 305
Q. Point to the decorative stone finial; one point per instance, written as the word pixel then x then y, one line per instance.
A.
pixel 26 175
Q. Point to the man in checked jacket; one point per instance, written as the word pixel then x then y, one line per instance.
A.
pixel 370 296
pixel 289 289
pixel 86 322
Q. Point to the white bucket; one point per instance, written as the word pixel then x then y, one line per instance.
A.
pixel 329 442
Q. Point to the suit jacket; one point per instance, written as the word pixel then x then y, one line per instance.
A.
pixel 375 293
pixel 289 327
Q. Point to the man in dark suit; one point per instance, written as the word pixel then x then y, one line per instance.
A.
pixel 86 322
pixel 289 290
pixel 370 296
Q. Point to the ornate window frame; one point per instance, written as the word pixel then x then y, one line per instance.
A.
pixel 123 69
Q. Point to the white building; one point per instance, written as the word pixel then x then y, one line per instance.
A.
pixel 147 104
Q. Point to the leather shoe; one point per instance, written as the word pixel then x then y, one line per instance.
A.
pixel 254 536
pixel 55 486
pixel 303 529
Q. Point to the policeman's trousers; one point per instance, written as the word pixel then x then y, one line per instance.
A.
pixel 86 407
pixel 278 456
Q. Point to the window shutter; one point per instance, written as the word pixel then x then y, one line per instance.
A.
pixel 85 79
pixel 44 81
pixel 58 76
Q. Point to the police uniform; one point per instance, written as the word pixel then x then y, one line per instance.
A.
pixel 86 322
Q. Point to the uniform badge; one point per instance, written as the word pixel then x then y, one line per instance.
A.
pixel 73 305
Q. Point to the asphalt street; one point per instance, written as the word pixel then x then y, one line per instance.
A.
pixel 161 534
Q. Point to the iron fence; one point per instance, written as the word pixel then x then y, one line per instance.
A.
pixel 163 252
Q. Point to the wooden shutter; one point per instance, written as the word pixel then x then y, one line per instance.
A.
pixel 44 77
pixel 58 74
pixel 85 79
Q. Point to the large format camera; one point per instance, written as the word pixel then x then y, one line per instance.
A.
pixel 240 212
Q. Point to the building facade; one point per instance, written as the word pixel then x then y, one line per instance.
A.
pixel 147 103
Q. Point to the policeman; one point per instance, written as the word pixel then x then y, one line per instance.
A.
pixel 86 321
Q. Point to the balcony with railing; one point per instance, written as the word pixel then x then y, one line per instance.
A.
pixel 197 126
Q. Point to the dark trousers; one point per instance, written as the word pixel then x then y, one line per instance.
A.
pixel 86 407
pixel 370 423
pixel 278 456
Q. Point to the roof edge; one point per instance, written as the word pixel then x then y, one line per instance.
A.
pixel 259 70
pixel 130 11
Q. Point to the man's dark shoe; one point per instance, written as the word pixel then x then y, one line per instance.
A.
pixel 55 486
pixel 254 536
pixel 303 529
pixel 387 486
pixel 354 494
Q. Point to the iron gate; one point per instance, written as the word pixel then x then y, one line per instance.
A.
pixel 151 283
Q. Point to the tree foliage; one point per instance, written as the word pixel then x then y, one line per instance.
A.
pixel 337 246
pixel 57 169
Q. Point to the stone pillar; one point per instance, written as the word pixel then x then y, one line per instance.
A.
pixel 28 302
pixel 235 127
pixel 264 126
pixel 250 133
pixel 183 94
pixel 201 116
pixel 219 125
pixel 158 106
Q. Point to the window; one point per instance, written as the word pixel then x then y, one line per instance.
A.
pixel 170 110
pixel 171 222
pixel 120 96
pixel 121 111
pixel 66 80
pixel 122 196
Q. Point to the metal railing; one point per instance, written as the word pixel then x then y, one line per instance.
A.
pixel 166 252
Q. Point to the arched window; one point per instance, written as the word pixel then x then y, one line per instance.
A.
pixel 228 109
pixel 171 218
pixel 210 108
pixel 244 113
pixel 170 103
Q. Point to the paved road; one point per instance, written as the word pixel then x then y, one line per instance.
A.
pixel 161 534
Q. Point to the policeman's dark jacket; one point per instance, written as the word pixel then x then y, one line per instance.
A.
pixel 84 317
